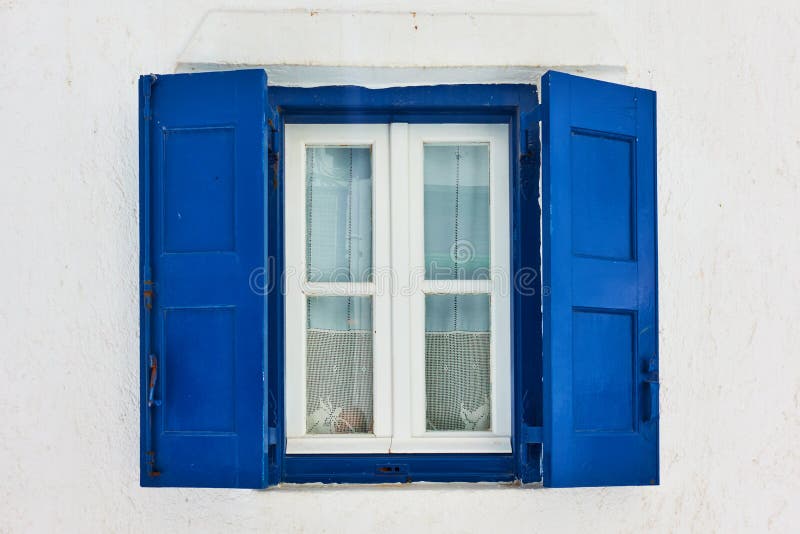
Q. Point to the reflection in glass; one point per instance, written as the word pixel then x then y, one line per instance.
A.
pixel 339 365
pixel 338 214
pixel 457 225
pixel 457 363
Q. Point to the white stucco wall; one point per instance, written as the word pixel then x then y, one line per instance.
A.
pixel 728 79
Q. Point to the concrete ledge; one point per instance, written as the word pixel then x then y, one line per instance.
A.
pixel 376 49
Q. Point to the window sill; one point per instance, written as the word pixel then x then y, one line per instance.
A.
pixel 453 443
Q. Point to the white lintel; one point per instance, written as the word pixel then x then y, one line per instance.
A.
pixel 306 48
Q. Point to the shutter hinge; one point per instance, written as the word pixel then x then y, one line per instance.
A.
pixel 147 294
pixel 652 381
pixel 148 86
pixel 536 114
pixel 152 471
pixel 531 434
pixel 272 436
pixel 273 154
pixel 273 159
pixel 529 161
pixel 530 453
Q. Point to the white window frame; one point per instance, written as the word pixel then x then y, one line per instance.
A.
pixel 398 289
pixel 297 138
pixel 410 434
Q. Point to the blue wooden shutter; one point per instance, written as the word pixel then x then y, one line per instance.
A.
pixel 599 266
pixel 202 173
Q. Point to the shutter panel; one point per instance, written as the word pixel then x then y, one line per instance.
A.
pixel 202 172
pixel 599 264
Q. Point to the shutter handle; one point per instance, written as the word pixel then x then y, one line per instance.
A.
pixel 151 388
pixel 653 386
pixel 150 460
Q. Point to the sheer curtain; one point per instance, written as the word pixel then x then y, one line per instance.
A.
pixel 339 329
pixel 457 247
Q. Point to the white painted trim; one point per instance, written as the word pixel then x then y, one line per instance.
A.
pixel 452 442
pixel 338 288
pixel 297 137
pixel 382 77
pixel 401 311
pixel 337 444
pixel 496 135
pixel 301 47
pixel 457 286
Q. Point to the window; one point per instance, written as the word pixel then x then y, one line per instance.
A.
pixel 400 348
pixel 343 284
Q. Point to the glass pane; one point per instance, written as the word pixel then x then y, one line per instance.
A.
pixel 457 224
pixel 338 214
pixel 457 362
pixel 339 365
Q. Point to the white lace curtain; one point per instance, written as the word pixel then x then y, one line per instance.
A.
pixel 339 249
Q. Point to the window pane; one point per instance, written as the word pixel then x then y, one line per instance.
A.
pixel 338 214
pixel 339 365
pixel 457 212
pixel 457 362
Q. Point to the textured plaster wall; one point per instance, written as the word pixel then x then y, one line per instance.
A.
pixel 728 77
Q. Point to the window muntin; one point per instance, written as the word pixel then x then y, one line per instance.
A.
pixel 474 159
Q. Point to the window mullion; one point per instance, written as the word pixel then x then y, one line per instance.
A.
pixel 403 229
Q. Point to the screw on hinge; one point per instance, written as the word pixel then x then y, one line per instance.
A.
pixel 151 464
pixel 529 163
pixel 148 294
pixel 273 155
pixel 274 159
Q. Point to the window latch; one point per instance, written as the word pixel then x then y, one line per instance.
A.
pixel 151 402
pixel 151 388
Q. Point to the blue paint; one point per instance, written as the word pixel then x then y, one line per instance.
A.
pixel 424 104
pixel 599 250
pixel 149 362
pixel 202 234
pixel 388 468
pixel 526 306
pixel 502 103
pixel 272 280
pixel 204 231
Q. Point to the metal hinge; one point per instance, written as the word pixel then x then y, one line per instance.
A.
pixel 652 381
pixel 147 294
pixel 152 402
pixel 530 456
pixel 273 154
pixel 531 434
pixel 529 161
pixel 271 437
pixel 273 160
pixel 151 464
pixel 148 91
